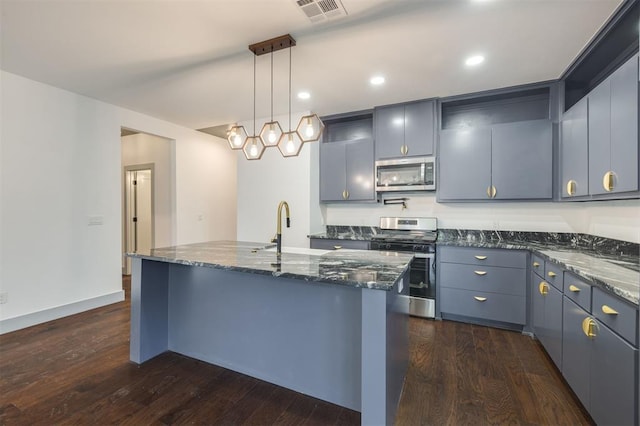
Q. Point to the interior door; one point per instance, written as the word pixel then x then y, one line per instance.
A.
pixel 138 213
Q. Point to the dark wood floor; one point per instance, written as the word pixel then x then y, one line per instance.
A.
pixel 76 371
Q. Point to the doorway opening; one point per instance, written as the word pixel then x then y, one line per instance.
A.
pixel 138 211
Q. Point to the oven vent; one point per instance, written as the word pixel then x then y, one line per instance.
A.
pixel 321 10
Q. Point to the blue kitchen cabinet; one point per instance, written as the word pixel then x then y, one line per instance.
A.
pixel 547 316
pixel 405 129
pixel 574 151
pixel 521 160
pixel 613 132
pixel 464 164
pixel 346 170
pixel 502 162
pixel 576 351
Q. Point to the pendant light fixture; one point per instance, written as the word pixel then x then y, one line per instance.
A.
pixel 290 143
pixel 271 132
pixel 253 147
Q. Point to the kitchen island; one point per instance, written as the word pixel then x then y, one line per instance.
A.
pixel 328 324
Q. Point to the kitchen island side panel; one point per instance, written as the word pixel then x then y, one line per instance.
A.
pixel 304 336
pixel 149 301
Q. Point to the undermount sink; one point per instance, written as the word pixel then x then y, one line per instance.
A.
pixel 299 250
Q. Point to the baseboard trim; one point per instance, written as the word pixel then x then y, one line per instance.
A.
pixel 23 321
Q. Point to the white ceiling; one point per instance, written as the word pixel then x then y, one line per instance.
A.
pixel 188 62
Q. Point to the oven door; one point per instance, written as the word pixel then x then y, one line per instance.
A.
pixel 422 285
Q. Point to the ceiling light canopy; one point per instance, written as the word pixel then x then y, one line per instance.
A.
pixel 376 80
pixel 289 143
pixel 474 60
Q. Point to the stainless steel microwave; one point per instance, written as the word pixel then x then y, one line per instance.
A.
pixel 406 174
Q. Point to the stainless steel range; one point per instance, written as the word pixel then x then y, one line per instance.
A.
pixel 416 235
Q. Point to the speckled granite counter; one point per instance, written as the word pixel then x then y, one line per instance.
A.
pixel 339 232
pixel 356 268
pixel 610 264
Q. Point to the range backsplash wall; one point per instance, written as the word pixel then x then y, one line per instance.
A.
pixel 612 219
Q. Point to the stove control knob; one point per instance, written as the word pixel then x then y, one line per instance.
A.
pixel 387 246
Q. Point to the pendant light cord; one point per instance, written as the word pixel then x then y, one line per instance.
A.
pixel 271 83
pixel 289 88
pixel 254 95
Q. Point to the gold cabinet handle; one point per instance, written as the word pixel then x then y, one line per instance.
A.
pixel 491 191
pixel 574 289
pixel 480 257
pixel 589 327
pixel 404 149
pixel 480 299
pixel 536 264
pixel 571 187
pixel 480 272
pixel 543 288
pixel 551 274
pixel 608 310
pixel 345 194
pixel 337 247
pixel 608 181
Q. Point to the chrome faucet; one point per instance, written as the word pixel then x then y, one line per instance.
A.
pixel 279 227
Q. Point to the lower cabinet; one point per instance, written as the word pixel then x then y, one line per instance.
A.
pixel 482 284
pixel 547 317
pixel 600 366
pixel 328 244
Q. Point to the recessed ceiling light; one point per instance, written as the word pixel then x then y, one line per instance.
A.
pixel 377 80
pixel 474 60
pixel 304 95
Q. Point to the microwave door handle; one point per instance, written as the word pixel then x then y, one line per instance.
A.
pixel 423 173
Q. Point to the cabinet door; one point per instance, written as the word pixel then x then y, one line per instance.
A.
pixel 359 170
pixel 576 351
pixel 419 127
pixel 574 151
pixel 599 135
pixel 613 375
pixel 522 160
pixel 465 164
pixel 553 325
pixel 624 127
pixel 538 302
pixel 332 171
pixel 389 131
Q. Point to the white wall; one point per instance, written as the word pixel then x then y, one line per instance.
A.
pixel 263 183
pixel 612 219
pixel 142 148
pixel 61 164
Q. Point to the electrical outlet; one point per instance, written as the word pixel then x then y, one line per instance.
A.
pixel 4 297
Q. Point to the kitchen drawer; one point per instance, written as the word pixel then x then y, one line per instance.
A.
pixel 485 257
pixel 554 274
pixel 622 317
pixel 577 290
pixel 325 244
pixel 492 279
pixel 477 304
pixel 537 265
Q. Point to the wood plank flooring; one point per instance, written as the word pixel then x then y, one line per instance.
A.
pixel 76 371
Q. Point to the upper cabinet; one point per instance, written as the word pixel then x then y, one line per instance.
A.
pixel 574 151
pixel 497 147
pixel 405 129
pixel 346 159
pixel 613 132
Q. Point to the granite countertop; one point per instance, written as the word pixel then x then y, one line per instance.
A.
pixel 354 233
pixel 355 268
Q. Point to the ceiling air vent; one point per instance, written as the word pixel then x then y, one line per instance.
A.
pixel 321 10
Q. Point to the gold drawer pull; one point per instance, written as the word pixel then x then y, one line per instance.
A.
pixel 480 299
pixel 571 187
pixel 536 264
pixel 491 191
pixel 573 288
pixel 589 327
pixel 607 181
pixel 480 272
pixel 551 274
pixel 480 257
pixel 608 310
pixel 543 288
pixel 337 247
